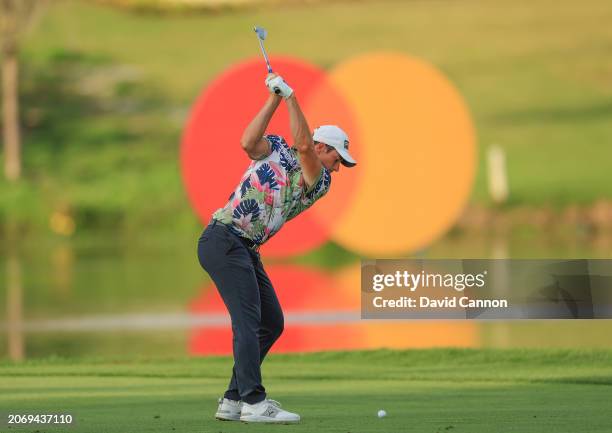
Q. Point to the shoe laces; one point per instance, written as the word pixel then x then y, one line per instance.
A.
pixel 274 402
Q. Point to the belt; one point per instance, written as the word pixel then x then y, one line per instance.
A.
pixel 245 241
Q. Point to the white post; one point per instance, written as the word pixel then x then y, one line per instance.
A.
pixel 497 176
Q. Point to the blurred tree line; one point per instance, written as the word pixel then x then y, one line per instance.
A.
pixel 191 5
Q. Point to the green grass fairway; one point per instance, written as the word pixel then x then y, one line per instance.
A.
pixel 422 391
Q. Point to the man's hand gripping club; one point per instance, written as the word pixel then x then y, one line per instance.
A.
pixel 277 86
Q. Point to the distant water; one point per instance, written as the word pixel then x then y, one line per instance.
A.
pixel 104 296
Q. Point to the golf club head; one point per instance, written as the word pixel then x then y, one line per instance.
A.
pixel 261 32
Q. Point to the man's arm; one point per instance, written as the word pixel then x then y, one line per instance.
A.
pixel 302 139
pixel 253 141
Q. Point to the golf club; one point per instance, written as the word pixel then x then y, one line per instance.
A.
pixel 261 36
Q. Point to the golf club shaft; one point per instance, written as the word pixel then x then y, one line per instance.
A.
pixel 263 50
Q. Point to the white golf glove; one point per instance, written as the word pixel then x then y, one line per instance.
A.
pixel 277 85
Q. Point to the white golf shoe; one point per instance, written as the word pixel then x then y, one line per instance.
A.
pixel 267 411
pixel 228 410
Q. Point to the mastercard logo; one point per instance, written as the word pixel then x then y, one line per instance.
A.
pixel 410 131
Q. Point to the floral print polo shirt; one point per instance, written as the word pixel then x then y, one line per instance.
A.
pixel 271 192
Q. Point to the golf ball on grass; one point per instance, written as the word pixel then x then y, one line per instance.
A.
pixel 382 413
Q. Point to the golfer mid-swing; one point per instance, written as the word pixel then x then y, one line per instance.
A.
pixel 280 183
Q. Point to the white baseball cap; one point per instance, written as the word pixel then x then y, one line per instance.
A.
pixel 336 138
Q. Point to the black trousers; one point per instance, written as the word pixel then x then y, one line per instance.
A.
pixel 246 290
